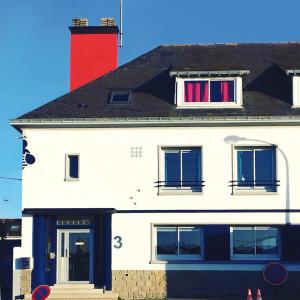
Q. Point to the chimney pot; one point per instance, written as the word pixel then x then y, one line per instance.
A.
pixel 82 22
pixel 107 22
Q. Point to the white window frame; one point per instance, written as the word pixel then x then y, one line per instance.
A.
pixel 67 167
pixel 166 258
pixel 255 256
pixel 296 91
pixel 161 178
pixel 238 93
pixel 252 189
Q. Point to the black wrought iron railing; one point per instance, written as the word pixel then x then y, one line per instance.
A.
pixel 266 184
pixel 180 185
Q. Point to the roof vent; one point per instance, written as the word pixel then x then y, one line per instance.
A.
pixel 80 22
pixel 107 22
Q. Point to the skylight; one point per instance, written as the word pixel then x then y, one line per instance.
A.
pixel 120 97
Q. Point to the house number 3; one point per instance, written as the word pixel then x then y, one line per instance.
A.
pixel 118 243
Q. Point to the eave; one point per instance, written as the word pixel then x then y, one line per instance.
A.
pixel 157 122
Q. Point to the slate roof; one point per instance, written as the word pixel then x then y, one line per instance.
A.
pixel 267 90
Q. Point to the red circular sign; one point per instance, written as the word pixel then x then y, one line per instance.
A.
pixel 42 292
pixel 275 274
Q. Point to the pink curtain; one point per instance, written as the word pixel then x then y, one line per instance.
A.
pixel 225 91
pixel 196 91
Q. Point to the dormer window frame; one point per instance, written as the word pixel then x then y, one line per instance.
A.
pixel 296 86
pixel 209 76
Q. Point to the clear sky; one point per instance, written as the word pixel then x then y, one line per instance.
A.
pixel 34 49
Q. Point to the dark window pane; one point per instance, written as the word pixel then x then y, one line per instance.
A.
pixel 265 167
pixel 245 168
pixel 120 97
pixel 167 241
pixel 222 91
pixel 191 168
pixel 243 241
pixel 79 256
pixel 73 166
pixel 172 168
pixel 189 241
pixel 266 241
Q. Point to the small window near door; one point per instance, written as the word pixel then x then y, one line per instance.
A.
pixel 72 167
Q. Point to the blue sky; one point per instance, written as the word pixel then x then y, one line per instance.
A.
pixel 34 49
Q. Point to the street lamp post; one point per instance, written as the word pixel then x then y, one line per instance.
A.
pixel 3 201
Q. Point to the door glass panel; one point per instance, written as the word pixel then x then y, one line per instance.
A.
pixel 62 243
pixel 79 256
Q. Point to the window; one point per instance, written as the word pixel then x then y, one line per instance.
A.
pixel 209 92
pixel 181 169
pixel 296 86
pixel 256 168
pixel 120 97
pixel 254 242
pixel 72 167
pixel 178 242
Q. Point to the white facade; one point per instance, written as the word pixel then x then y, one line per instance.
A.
pixel 111 178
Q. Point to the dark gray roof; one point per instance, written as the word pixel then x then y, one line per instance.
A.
pixel 267 89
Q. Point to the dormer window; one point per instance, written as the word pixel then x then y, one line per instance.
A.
pixel 210 90
pixel 296 87
pixel 119 97
pixel 207 90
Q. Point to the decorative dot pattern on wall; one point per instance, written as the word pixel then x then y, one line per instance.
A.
pixel 136 152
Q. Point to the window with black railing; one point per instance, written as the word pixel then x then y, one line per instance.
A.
pixel 181 170
pixel 256 168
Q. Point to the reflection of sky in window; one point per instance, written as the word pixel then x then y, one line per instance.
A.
pixel 167 240
pixel 243 241
pixel 266 241
pixel 190 241
pixel 255 241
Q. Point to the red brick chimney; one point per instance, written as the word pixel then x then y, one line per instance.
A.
pixel 94 50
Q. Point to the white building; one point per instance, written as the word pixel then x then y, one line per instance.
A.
pixel 175 175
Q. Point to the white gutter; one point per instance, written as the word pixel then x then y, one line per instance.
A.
pixel 209 73
pixel 157 122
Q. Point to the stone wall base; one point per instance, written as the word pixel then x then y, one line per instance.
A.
pixel 140 284
pixel 25 282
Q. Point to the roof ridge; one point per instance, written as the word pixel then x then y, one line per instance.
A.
pixel 231 44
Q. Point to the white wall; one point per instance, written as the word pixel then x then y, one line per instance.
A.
pixel 110 177
pixel 135 229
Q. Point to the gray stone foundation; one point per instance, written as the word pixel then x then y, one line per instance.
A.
pixel 25 282
pixel 139 284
